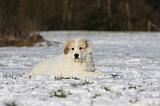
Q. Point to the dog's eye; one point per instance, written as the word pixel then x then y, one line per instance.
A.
pixel 72 48
pixel 80 48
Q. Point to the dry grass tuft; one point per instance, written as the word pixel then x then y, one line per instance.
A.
pixel 30 41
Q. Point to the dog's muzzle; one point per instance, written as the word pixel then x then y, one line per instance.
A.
pixel 76 56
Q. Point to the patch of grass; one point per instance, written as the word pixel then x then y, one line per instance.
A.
pixel 12 75
pixel 30 41
pixel 135 100
pixel 85 82
pixel 61 77
pixel 60 93
pixel 10 104
pixel 107 88
pixel 3 65
pixel 75 78
pixel 30 76
pixel 132 87
pixel 115 75
pixel 96 95
pixel 74 84
pixel 141 90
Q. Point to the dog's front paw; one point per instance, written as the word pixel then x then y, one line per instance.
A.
pixel 90 67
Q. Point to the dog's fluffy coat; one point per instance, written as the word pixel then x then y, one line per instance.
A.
pixel 67 64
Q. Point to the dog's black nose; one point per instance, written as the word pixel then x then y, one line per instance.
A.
pixel 76 56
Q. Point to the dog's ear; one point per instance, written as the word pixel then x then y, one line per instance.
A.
pixel 88 45
pixel 66 49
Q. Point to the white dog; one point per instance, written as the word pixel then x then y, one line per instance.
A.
pixel 75 61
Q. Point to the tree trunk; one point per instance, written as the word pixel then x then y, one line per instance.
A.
pixel 109 12
pixel 128 14
pixel 67 14
pixel 99 3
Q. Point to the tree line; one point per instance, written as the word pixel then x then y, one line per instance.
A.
pixel 21 17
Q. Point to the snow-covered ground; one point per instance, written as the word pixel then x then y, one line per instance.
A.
pixel 132 59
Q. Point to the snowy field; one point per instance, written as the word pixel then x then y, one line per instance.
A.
pixel 132 59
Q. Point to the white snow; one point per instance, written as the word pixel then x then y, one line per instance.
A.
pixel 133 59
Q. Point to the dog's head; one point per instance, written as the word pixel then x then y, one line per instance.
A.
pixel 78 49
